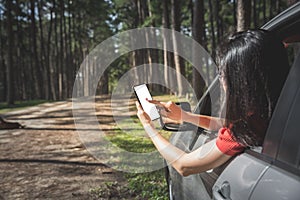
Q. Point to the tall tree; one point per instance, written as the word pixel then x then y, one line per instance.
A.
pixel 3 82
pixel 42 64
pixel 168 59
pixel 212 27
pixel 243 14
pixel 10 64
pixel 61 69
pixel 43 42
pixel 254 14
pixel 197 33
pixel 179 66
pixel 49 61
pixel 34 51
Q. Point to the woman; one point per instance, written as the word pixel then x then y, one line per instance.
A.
pixel 252 68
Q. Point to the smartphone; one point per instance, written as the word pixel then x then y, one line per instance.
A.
pixel 142 93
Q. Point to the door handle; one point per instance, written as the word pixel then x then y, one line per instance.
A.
pixel 222 193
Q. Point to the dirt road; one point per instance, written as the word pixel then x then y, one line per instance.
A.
pixel 46 159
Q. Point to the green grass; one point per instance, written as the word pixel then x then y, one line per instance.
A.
pixel 130 136
pixel 151 185
pixel 4 108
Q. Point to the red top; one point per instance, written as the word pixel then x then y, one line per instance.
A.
pixel 227 144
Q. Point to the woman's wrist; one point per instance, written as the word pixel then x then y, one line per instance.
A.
pixel 151 131
pixel 184 116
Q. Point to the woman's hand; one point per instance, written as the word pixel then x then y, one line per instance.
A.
pixel 143 116
pixel 169 110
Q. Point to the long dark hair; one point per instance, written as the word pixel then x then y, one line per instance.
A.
pixel 253 66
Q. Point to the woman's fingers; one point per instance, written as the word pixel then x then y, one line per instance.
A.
pixel 139 107
pixel 157 103
pixel 168 109
pixel 153 101
pixel 165 106
pixel 164 113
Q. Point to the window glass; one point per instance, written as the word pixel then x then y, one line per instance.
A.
pixel 289 150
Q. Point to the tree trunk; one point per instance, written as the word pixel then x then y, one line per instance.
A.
pixel 10 64
pixel 179 66
pixel 3 82
pixel 134 54
pixel 71 69
pixel 34 51
pixel 166 43
pixel 66 53
pixel 43 66
pixel 56 53
pixel 234 12
pixel 140 54
pixel 218 21
pixel 213 38
pixel 254 14
pixel 61 54
pixel 243 14
pixel 197 33
pixel 153 53
pixel 49 62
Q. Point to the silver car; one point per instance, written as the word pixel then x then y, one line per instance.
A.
pixel 269 172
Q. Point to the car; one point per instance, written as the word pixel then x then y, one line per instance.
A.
pixel 271 171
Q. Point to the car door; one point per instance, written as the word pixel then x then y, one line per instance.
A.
pixel 194 186
pixel 282 179
pixel 241 177
pixel 272 172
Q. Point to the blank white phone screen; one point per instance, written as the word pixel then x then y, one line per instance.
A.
pixel 143 93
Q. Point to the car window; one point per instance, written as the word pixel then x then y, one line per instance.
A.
pixel 281 113
pixel 289 148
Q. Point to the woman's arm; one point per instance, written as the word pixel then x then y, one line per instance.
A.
pixel 204 158
pixel 203 121
pixel 174 112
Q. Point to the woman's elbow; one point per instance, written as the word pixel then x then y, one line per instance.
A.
pixel 183 171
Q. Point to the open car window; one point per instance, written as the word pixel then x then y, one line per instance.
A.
pixel 289 145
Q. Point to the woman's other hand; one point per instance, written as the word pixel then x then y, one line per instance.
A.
pixel 142 115
pixel 169 110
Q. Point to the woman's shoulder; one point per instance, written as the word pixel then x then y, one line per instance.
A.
pixel 227 143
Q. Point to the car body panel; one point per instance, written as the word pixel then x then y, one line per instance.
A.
pixel 275 184
pixel 241 174
pixel 188 190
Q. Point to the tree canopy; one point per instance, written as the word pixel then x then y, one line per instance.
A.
pixel 44 42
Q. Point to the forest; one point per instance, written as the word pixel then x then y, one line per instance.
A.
pixel 44 42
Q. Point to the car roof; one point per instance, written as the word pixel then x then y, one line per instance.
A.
pixel 284 18
pixel 286 23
